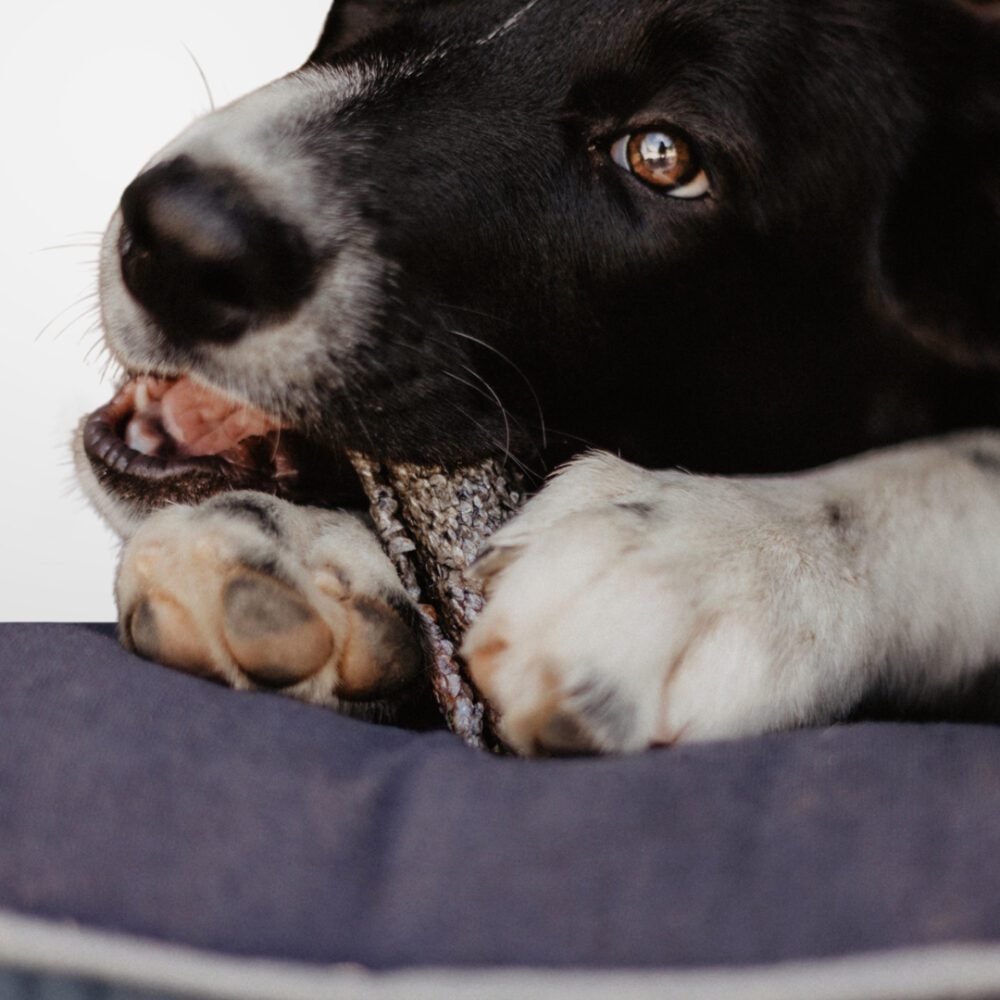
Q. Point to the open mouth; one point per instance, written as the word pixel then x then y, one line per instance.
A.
pixel 163 441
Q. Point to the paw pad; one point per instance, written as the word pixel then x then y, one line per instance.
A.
pixel 273 634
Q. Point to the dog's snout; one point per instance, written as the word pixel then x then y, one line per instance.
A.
pixel 202 255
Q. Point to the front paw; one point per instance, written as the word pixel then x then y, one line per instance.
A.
pixel 248 590
pixel 629 608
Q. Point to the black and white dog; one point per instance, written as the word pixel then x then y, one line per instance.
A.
pixel 744 238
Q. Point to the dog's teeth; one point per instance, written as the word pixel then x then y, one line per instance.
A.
pixel 143 436
pixel 141 395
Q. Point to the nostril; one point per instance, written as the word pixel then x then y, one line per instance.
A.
pixel 202 255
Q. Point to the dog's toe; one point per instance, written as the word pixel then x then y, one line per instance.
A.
pixel 159 628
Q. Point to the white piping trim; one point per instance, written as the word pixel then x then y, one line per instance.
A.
pixel 961 972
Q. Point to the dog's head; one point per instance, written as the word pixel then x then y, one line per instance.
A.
pixel 686 230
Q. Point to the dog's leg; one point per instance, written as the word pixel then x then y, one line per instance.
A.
pixel 629 608
pixel 256 592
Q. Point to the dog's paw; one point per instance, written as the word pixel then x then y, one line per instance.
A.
pixel 254 592
pixel 629 608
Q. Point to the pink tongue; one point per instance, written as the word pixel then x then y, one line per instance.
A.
pixel 203 423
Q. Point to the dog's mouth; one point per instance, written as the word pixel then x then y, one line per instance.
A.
pixel 161 441
pixel 156 428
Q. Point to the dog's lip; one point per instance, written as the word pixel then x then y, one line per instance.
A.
pixel 104 444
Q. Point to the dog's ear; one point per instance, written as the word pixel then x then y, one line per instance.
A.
pixel 349 21
pixel 941 237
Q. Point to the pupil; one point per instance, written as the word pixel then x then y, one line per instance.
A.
pixel 658 151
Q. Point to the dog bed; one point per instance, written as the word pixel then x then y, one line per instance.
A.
pixel 160 835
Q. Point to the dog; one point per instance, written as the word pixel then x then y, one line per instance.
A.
pixel 756 244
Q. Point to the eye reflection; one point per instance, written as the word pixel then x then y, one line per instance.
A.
pixel 658 152
pixel 662 160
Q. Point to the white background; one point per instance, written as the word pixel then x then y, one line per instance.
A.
pixel 89 91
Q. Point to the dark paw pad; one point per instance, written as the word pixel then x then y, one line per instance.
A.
pixel 564 733
pixel 384 654
pixel 592 718
pixel 274 635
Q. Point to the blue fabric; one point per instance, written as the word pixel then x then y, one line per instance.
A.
pixel 137 799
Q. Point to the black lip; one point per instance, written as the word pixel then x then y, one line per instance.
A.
pixel 104 445
pixel 323 476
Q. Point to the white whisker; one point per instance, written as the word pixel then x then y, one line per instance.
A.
pixel 507 25
pixel 496 398
pixel 88 298
pixel 503 357
pixel 201 73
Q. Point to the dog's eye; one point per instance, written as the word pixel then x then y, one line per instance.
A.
pixel 662 160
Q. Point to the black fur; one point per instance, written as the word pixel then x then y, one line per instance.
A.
pixel 853 150
pixel 248 506
pixel 839 288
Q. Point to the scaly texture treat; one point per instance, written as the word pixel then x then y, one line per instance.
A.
pixel 433 524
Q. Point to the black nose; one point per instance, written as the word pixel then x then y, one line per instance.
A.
pixel 204 258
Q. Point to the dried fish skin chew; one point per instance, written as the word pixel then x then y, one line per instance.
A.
pixel 433 524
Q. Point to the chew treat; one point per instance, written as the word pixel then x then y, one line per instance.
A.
pixel 433 524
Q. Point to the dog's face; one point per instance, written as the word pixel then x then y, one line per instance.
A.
pixel 646 224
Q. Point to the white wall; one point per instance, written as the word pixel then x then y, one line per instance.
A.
pixel 88 92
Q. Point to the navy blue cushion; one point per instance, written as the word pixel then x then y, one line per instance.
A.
pixel 137 799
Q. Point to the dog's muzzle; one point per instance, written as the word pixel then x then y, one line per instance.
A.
pixel 207 263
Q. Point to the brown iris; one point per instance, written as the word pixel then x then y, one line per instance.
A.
pixel 659 158
pixel 664 160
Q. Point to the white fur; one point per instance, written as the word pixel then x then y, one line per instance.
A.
pixel 719 607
